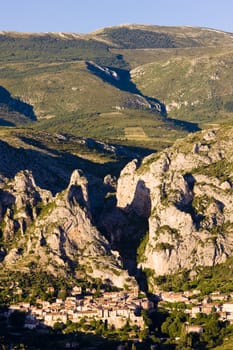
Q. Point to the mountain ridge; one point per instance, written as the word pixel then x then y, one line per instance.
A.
pixel 127 25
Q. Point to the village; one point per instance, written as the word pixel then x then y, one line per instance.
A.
pixel 115 308
pixel 118 308
pixel 217 302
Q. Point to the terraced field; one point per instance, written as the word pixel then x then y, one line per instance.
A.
pixel 136 133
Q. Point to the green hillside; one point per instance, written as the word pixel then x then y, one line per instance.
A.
pixel 197 88
pixel 227 344
pixel 50 47
pixel 69 98
pixel 137 69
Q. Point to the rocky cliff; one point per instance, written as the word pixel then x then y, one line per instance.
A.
pixel 186 193
pixel 178 203
pixel 55 233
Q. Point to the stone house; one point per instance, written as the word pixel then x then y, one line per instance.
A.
pixel 51 318
pixel 77 290
pixel 172 297
pixel 194 329
pixel 228 307
pixel 209 308
pixel 196 310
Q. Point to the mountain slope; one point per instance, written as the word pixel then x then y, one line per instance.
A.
pixel 145 36
pixel 69 98
pixel 119 84
pixel 197 88
pixel 13 111
pixel 186 194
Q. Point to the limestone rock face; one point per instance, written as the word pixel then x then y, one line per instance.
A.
pixel 182 198
pixel 132 191
pixel 186 192
pixel 57 233
pixel 19 203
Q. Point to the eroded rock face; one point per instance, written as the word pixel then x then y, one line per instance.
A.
pixel 187 194
pixel 56 233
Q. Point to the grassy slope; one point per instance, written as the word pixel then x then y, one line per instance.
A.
pixel 227 345
pixel 193 87
pixel 68 98
pixel 140 36
pixel 49 72
pixel 55 89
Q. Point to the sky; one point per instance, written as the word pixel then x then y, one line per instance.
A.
pixel 84 16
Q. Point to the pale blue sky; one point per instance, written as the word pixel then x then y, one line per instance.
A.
pixel 82 16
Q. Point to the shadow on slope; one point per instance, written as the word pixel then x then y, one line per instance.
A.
pixel 184 125
pixel 13 110
pixel 52 168
pixel 126 229
pixel 22 330
pixel 127 152
pixel 121 79
pixel 4 122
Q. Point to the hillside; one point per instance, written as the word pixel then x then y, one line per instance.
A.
pixel 197 88
pixel 63 46
pixel 145 36
pixel 70 98
pixel 133 85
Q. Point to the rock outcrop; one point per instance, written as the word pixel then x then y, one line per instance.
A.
pixel 180 200
pixel 56 233
pixel 186 194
